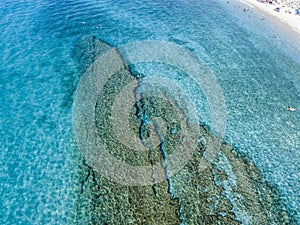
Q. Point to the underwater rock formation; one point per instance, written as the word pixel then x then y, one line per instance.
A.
pixel 230 190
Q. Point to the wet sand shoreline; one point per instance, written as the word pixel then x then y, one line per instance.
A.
pixel 290 19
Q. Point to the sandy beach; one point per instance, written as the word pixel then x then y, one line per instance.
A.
pixel 292 20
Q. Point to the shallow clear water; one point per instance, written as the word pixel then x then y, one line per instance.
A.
pixel 257 67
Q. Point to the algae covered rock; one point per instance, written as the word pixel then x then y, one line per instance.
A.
pixel 230 190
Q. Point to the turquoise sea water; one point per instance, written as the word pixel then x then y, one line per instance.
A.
pixel 256 65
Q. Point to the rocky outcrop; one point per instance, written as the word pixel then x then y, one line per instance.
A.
pixel 231 190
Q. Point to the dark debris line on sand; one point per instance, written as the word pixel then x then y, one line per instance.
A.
pixel 231 191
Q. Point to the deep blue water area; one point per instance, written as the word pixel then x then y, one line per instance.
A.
pixel 256 65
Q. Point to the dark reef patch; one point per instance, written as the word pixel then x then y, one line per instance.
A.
pixel 229 191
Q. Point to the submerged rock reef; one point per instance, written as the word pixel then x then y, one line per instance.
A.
pixel 230 190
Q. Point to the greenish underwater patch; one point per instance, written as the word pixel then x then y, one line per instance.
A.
pixel 229 191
